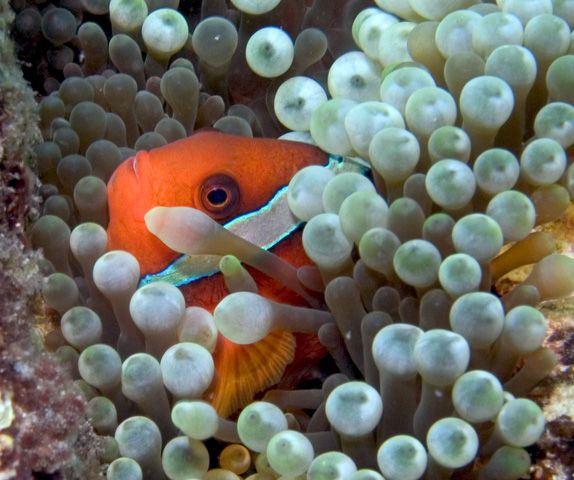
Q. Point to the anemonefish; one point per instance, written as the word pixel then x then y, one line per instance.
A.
pixel 235 180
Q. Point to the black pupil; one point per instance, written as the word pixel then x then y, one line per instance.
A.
pixel 217 196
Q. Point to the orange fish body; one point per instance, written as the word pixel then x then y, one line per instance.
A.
pixel 226 177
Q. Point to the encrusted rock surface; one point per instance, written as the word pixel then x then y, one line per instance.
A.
pixel 43 430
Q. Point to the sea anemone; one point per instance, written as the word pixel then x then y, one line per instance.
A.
pixel 445 128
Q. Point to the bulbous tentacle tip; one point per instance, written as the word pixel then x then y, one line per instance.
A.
pixel 185 230
pixel 154 219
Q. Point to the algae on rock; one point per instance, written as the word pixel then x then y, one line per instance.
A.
pixel 43 429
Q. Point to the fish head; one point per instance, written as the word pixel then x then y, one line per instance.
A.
pixel 225 176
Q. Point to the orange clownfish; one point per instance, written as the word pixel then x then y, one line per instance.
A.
pixel 234 180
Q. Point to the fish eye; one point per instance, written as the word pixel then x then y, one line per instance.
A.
pixel 219 195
